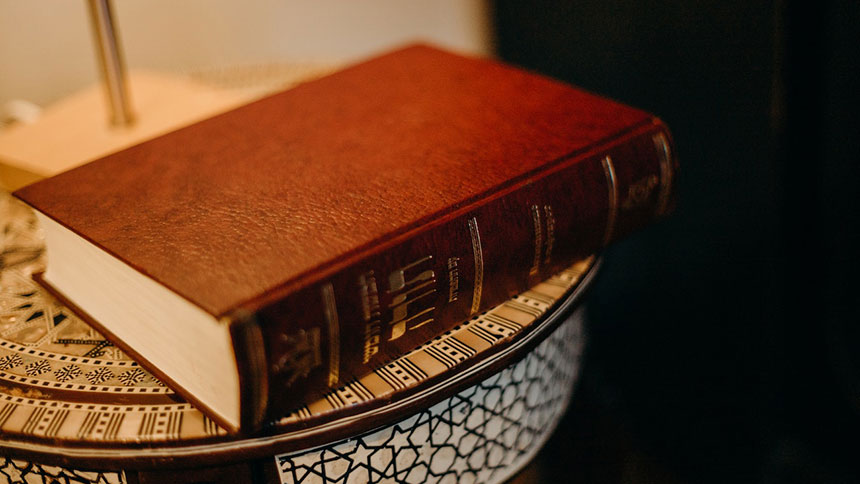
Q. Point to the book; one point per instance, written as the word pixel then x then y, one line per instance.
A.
pixel 295 243
pixel 108 414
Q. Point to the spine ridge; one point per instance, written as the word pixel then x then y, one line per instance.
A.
pixel 382 306
pixel 312 276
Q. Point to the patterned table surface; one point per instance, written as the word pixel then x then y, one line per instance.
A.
pixel 61 381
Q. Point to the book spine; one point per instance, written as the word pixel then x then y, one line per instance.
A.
pixel 479 255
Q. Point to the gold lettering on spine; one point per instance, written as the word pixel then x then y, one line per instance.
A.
pixel 410 294
pixel 371 340
pixel 609 170
pixel 550 232
pixel 478 253
pixel 330 311
pixel 371 313
pixel 665 172
pixel 538 240
pixel 369 296
pixel 397 279
pixel 453 279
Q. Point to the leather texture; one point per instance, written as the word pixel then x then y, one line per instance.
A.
pixel 360 215
pixel 270 194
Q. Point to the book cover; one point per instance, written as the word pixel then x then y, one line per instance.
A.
pixel 308 237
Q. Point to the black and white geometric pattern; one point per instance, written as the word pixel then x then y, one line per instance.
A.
pixel 67 373
pixel 99 375
pixel 10 361
pixel 38 367
pixel 21 472
pixel 482 435
pixel 132 377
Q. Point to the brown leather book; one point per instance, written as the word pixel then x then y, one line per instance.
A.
pixel 292 244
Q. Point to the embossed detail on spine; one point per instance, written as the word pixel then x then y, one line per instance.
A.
pixel 613 198
pixel 169 420
pixel 330 311
pixel 301 354
pixel 538 227
pixel 370 311
pixel 453 279
pixel 407 303
pixel 411 294
pixel 478 253
pixel 665 172
pixel 258 384
pixel 639 192
pixel 550 233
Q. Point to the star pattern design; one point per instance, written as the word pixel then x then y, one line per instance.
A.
pixel 131 377
pixel 15 471
pixel 68 372
pixel 10 361
pixel 482 434
pixel 38 367
pixel 99 375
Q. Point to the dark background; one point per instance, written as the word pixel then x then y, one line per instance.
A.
pixel 724 342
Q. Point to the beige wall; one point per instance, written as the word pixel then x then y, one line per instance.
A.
pixel 46 45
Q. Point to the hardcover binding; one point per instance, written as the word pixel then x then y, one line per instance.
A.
pixel 365 218
pixel 399 295
pixel 253 375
